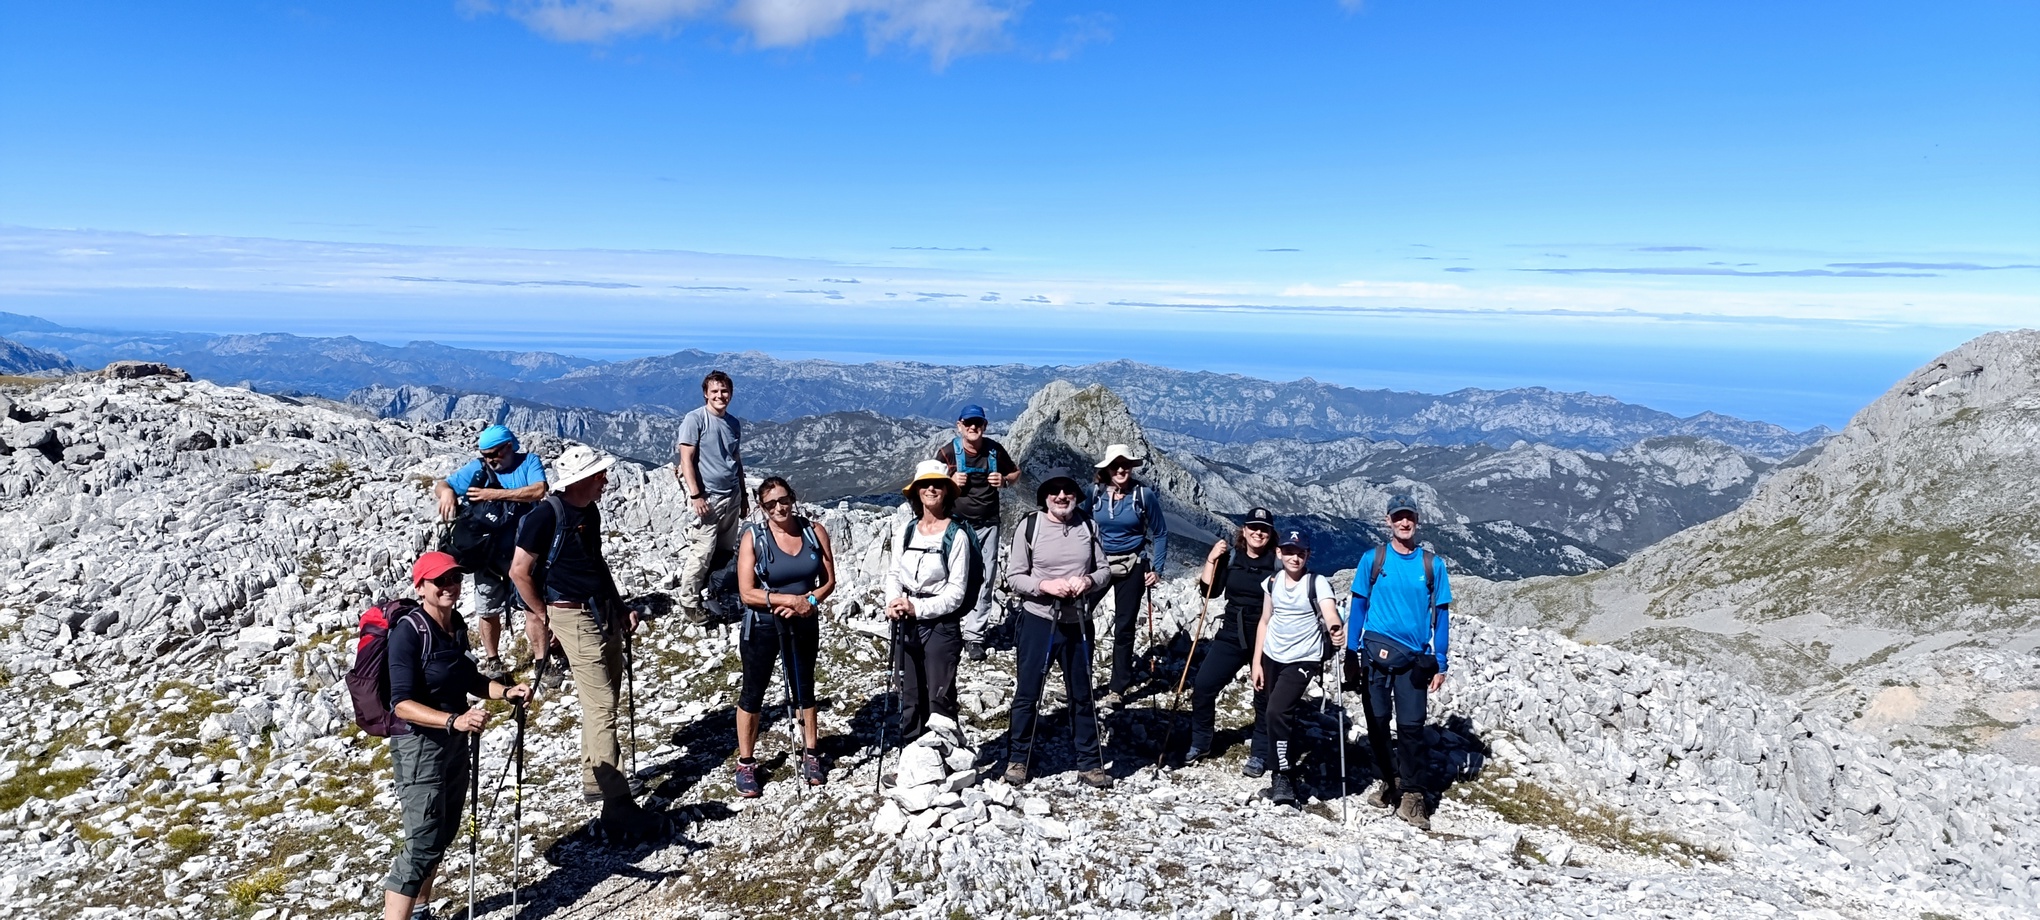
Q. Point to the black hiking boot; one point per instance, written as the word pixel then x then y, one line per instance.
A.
pixel 1281 790
pixel 976 650
pixel 1254 767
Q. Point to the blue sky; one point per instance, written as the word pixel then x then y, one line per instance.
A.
pixel 1764 209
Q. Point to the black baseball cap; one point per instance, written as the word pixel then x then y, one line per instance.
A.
pixel 1296 538
pixel 1259 517
pixel 1403 503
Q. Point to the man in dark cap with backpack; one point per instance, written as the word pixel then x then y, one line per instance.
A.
pixel 980 467
pixel 1397 634
pixel 484 500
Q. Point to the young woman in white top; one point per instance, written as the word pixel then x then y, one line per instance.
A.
pixel 924 595
pixel 1292 643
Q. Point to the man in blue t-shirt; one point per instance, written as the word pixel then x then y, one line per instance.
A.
pixel 1398 632
pixel 498 473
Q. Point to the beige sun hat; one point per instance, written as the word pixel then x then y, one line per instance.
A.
pixel 925 471
pixel 577 463
pixel 1116 452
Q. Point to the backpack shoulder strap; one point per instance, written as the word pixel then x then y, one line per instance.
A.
pixel 415 615
pixel 1027 528
pixel 559 538
pixel 1430 597
pixel 1374 571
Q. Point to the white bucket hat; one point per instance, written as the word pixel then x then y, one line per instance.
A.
pixel 577 463
pixel 1116 452
pixel 926 471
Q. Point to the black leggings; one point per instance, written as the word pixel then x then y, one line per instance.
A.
pixel 1224 656
pixel 926 653
pixel 761 649
pixel 1286 682
pixel 1127 594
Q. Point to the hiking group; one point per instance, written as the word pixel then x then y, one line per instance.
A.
pixel 532 544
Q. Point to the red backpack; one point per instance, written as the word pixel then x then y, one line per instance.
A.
pixel 368 682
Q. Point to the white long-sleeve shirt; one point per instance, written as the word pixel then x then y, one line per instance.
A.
pixel 921 574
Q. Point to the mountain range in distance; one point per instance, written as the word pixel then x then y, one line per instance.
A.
pixel 1222 408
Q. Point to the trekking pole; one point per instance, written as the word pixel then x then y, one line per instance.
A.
pixel 1344 817
pixel 1034 730
pixel 474 815
pixel 517 813
pixel 787 671
pixel 892 665
pixel 1176 701
pixel 630 690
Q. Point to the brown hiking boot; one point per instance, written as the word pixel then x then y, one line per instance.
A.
pixel 1016 774
pixel 1384 796
pixel 1412 811
pixel 1096 778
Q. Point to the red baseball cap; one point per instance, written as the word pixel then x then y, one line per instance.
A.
pixel 432 565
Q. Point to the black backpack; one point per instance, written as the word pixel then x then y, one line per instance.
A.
pixel 484 535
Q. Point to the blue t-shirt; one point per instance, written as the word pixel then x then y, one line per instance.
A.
pixel 1121 528
pixel 528 471
pixel 1395 608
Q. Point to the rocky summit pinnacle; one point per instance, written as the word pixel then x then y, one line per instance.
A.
pixel 1894 579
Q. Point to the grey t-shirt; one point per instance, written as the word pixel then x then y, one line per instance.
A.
pixel 1294 629
pixel 716 460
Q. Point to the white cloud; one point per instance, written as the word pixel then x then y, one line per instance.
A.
pixel 943 29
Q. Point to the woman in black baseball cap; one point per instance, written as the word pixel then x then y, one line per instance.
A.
pixel 1240 575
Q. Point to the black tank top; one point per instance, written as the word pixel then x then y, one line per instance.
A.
pixel 1243 577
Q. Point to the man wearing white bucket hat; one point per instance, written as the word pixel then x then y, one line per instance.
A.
pixel 1136 539
pixel 569 593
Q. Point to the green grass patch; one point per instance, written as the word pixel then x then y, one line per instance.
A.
pixel 46 784
pixel 1522 801
pixel 185 841
pixel 245 892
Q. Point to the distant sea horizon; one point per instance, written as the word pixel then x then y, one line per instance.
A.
pixel 1796 378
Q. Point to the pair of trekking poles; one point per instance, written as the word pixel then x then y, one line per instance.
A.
pixel 519 714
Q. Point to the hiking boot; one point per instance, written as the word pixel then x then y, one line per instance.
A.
pixel 1412 811
pixel 1254 767
pixel 1109 701
pixel 1016 773
pixel 553 675
pixel 811 768
pixel 1384 796
pixel 1195 754
pixel 976 650
pixel 493 668
pixel 1096 778
pixel 747 780
pixel 1280 790
pixel 695 616
pixel 423 912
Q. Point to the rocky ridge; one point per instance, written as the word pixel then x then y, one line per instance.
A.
pixel 1894 567
pixel 175 613
pixel 16 358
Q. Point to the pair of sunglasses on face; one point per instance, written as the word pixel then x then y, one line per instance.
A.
pixel 783 501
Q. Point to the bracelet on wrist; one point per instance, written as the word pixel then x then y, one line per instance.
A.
pixel 449 723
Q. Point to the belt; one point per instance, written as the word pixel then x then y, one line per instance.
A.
pixel 568 605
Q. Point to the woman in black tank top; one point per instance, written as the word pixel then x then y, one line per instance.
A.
pixel 785 568
pixel 1231 648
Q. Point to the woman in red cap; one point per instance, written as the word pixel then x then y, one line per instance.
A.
pixel 431 678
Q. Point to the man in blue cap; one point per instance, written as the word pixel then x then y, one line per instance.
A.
pixel 487 496
pixel 980 467
pixel 1397 636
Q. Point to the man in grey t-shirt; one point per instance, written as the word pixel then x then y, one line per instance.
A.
pixel 711 470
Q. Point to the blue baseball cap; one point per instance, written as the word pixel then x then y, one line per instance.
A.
pixel 1296 538
pixel 495 435
pixel 972 411
pixel 1400 503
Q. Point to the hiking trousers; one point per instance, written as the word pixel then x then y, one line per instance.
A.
pixel 1127 594
pixel 762 646
pixel 596 658
pixel 432 782
pixel 1286 681
pixel 700 538
pixel 1405 694
pixel 981 620
pixel 926 655
pixel 1224 656
pixel 1042 642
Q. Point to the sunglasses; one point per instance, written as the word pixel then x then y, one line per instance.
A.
pixel 495 453
pixel 974 423
pixel 1059 491
pixel 939 485
pixel 783 501
pixel 447 582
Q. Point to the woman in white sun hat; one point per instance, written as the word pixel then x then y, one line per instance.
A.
pixel 1130 525
pixel 924 597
